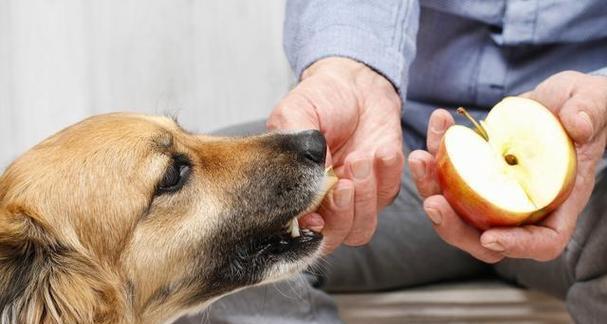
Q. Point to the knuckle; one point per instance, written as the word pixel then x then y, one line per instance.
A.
pixel 425 190
pixel 365 195
pixel 281 109
pixel 553 252
pixel 569 74
pixel 363 234
pixel 277 116
pixel 586 104
pixel 387 195
pixel 358 238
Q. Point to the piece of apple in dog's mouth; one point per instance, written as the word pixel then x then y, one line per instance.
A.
pixel 291 235
pixel 328 182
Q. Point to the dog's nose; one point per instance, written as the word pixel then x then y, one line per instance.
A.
pixel 312 145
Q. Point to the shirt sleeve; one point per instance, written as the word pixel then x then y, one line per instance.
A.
pixel 602 72
pixel 379 33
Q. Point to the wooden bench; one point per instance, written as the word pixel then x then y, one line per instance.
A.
pixel 470 302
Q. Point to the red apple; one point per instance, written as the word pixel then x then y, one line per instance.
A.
pixel 517 166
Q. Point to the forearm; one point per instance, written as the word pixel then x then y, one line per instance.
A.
pixel 379 33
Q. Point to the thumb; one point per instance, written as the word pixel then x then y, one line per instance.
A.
pixel 574 113
pixel 581 119
pixel 293 113
pixel 578 100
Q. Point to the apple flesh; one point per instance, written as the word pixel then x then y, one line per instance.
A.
pixel 518 166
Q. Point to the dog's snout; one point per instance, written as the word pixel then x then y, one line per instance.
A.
pixel 312 146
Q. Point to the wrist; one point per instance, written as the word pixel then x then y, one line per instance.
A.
pixel 334 64
pixel 354 75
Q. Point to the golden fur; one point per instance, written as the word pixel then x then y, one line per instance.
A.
pixel 86 238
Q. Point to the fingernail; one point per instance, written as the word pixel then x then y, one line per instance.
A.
pixel 389 160
pixel 361 169
pixel 585 120
pixel 494 246
pixel 438 129
pixel 343 197
pixel 420 171
pixel 387 156
pixel 434 215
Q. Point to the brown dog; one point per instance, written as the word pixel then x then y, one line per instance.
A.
pixel 125 218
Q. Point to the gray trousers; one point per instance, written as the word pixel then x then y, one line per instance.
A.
pixel 406 251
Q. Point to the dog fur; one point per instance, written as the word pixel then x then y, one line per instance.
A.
pixel 88 233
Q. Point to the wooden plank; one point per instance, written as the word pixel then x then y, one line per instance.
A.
pixel 476 302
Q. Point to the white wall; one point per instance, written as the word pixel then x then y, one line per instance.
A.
pixel 213 62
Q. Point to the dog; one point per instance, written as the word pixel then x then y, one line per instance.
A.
pixel 126 218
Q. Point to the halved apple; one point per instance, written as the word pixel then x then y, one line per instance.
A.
pixel 517 166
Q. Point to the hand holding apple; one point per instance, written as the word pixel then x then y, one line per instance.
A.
pixel 580 103
pixel 517 166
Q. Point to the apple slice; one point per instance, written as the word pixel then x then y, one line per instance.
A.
pixel 329 180
pixel 518 166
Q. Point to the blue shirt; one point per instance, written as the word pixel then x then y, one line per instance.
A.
pixel 450 53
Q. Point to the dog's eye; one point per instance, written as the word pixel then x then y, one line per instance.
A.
pixel 175 176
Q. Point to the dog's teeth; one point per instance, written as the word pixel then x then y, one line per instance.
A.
pixel 294 228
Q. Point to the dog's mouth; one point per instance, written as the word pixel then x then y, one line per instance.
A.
pixel 278 249
pixel 292 227
pixel 291 237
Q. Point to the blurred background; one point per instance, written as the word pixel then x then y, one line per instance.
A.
pixel 213 63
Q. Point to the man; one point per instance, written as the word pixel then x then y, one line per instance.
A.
pixel 355 62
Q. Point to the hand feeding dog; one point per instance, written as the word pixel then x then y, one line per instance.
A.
pixel 126 218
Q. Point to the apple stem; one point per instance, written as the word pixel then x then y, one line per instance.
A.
pixel 479 128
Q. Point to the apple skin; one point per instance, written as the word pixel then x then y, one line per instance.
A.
pixel 482 214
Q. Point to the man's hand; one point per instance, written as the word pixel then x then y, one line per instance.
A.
pixel 580 102
pixel 358 112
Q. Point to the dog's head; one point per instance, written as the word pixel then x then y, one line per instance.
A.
pixel 129 218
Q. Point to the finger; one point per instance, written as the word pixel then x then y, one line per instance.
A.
pixel 293 112
pixel 528 95
pixel 527 242
pixel 440 120
pixel 544 241
pixel 578 100
pixel 423 172
pixel 338 214
pixel 388 168
pixel 313 221
pixel 551 93
pixel 547 241
pixel 582 117
pixel 453 230
pixel 360 168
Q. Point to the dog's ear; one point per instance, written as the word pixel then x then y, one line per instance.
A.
pixel 45 279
